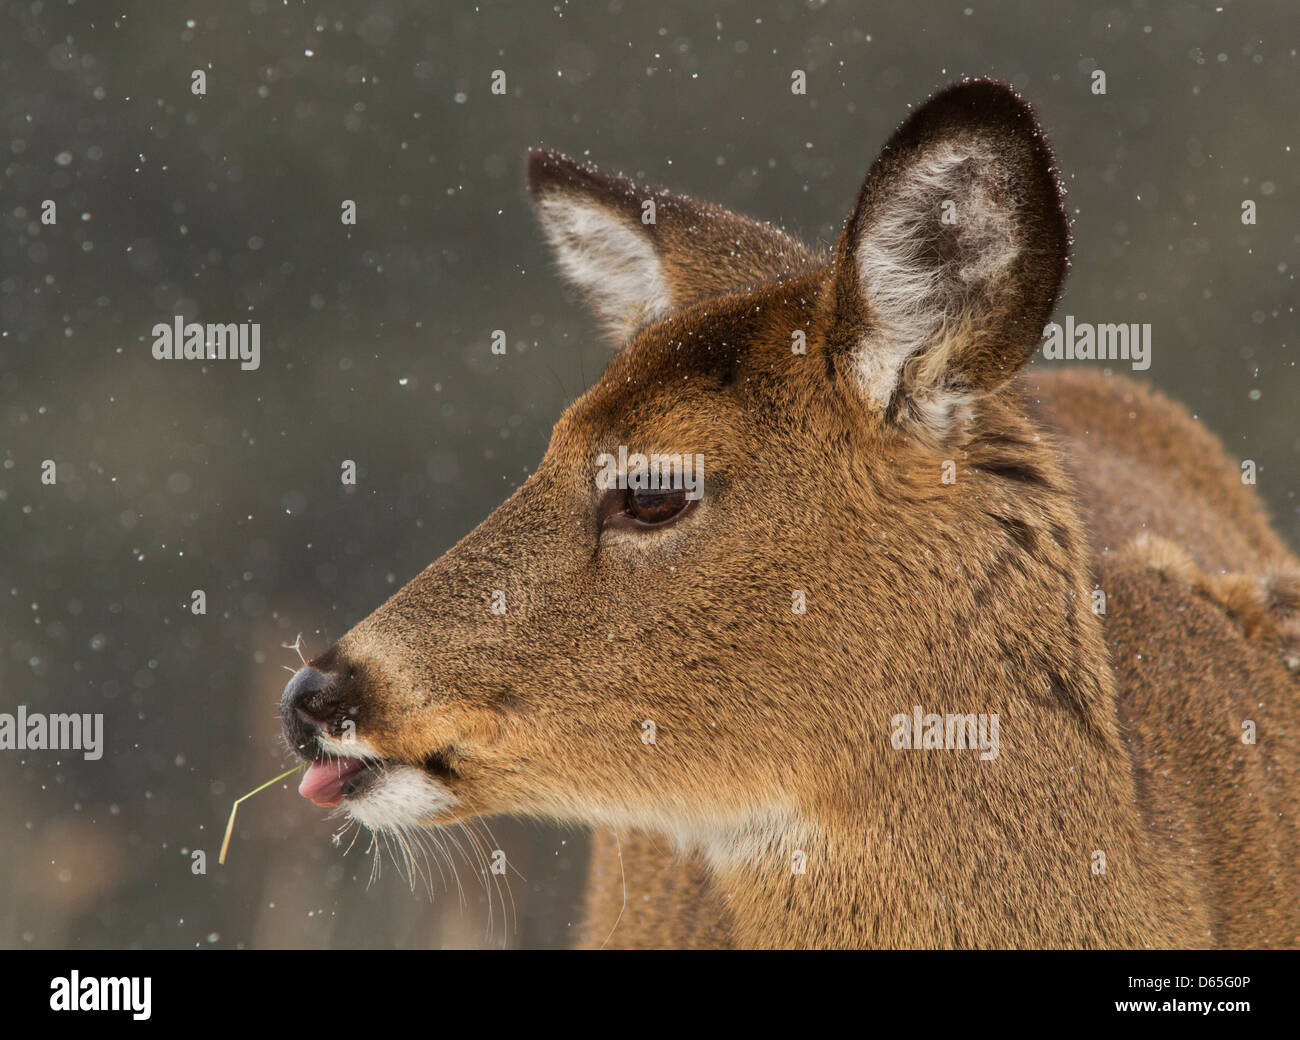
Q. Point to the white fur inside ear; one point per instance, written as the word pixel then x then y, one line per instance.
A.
pixel 912 299
pixel 611 260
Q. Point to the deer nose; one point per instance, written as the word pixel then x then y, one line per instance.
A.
pixel 309 700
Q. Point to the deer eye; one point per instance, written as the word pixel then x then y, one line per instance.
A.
pixel 638 509
pixel 652 507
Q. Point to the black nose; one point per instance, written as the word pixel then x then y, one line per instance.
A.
pixel 309 701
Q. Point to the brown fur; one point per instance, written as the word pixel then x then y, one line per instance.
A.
pixel 1121 732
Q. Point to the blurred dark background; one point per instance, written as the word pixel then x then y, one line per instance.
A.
pixel 375 347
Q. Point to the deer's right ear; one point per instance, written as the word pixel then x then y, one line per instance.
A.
pixel 638 253
pixel 950 265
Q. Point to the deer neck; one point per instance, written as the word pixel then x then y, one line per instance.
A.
pixel 1043 847
pixel 1040 845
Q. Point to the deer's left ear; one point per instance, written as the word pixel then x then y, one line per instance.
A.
pixel 639 252
pixel 951 263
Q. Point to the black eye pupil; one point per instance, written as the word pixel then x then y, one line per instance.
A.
pixel 655 506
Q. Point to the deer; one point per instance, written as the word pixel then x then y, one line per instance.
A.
pixel 897 518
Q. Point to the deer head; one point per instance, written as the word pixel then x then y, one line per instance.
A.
pixel 723 669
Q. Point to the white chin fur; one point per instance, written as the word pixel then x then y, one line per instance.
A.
pixel 400 796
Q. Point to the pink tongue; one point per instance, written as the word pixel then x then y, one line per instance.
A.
pixel 323 781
